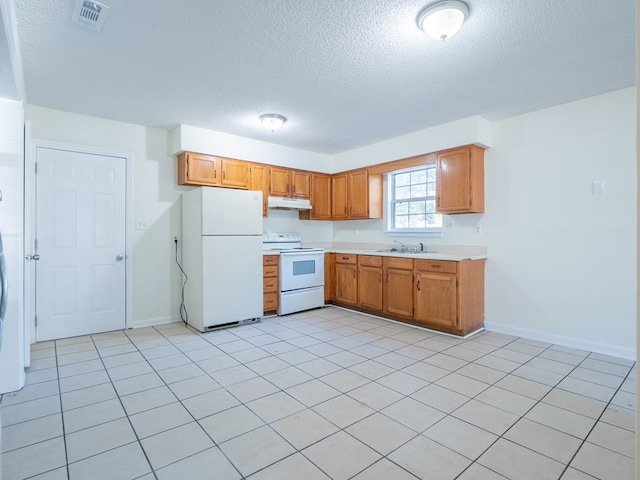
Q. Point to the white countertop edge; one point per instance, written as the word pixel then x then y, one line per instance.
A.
pixel 426 255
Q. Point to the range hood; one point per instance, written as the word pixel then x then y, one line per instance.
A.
pixel 283 203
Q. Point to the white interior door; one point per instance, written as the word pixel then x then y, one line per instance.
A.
pixel 81 242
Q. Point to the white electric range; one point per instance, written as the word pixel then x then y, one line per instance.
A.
pixel 301 272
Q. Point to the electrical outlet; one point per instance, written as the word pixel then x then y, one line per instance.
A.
pixel 142 223
pixel 478 229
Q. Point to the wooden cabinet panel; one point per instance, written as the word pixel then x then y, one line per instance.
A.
pixel 339 196
pixel 279 181
pixel 320 198
pixel 398 287
pixel 301 184
pixel 460 180
pixel 270 283
pixel 235 173
pixel 370 260
pixel 370 287
pixel 439 266
pixel 198 169
pixel 358 194
pixel 346 278
pixel 435 299
pixel 329 277
pixel 259 181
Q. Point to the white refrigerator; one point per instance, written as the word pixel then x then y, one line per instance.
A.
pixel 222 256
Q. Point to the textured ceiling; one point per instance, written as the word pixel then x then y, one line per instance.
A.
pixel 345 73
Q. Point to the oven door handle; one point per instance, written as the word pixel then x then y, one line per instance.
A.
pixel 296 254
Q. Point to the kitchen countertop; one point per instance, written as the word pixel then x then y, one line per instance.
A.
pixel 456 257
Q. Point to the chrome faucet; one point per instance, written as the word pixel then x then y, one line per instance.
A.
pixel 421 247
pixel 402 245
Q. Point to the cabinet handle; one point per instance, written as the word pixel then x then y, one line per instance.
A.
pixel 380 277
pixel 215 174
pixel 438 201
pixel 418 285
pixel 354 273
pixel 294 189
pixel 435 265
pixel 345 209
pixel 345 258
pixel 224 174
pixel 387 278
pixel 287 188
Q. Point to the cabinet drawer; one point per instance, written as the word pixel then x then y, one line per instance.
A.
pixel 270 271
pixel 399 263
pixel 270 284
pixel 270 260
pixel 443 266
pixel 370 260
pixel 270 302
pixel 344 258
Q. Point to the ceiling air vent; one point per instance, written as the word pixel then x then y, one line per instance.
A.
pixel 90 14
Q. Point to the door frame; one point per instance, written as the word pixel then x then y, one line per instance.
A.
pixel 31 146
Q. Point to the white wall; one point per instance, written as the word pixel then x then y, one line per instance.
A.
pixel 156 197
pixel 561 261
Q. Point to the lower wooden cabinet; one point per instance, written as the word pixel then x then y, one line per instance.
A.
pixel 447 296
pixel 398 287
pixel 370 282
pixel 346 278
pixel 270 283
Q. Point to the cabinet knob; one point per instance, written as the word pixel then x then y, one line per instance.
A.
pixel 418 285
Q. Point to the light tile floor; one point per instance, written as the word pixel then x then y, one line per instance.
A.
pixel 322 394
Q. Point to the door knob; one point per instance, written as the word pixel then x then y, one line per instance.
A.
pixel 119 258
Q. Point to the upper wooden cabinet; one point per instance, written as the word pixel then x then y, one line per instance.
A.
pixel 235 173
pixel 460 180
pixel 284 182
pixel 199 169
pixel 356 195
pixel 300 184
pixel 320 198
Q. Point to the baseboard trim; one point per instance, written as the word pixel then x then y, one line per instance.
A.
pixel 155 321
pixel 572 342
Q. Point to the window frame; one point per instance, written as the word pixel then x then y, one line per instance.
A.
pixel 435 231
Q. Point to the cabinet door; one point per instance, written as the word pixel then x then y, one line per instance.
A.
pixel 339 196
pixel 301 184
pixel 259 180
pixel 279 181
pixel 435 299
pixel 453 177
pixel 346 283
pixel 235 173
pixel 198 169
pixel 370 287
pixel 358 194
pixel 398 292
pixel 320 197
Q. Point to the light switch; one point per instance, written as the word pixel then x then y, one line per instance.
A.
pixel 597 187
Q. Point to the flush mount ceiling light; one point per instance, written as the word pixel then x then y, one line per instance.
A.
pixel 272 121
pixel 442 20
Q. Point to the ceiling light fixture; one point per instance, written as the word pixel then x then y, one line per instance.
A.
pixel 272 121
pixel 442 20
